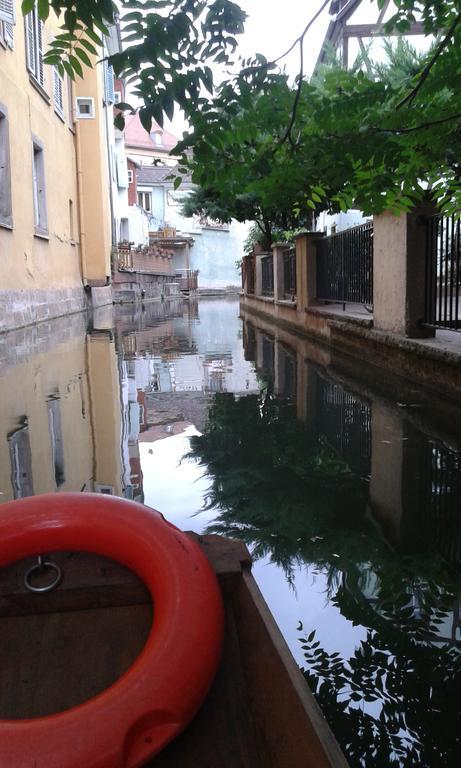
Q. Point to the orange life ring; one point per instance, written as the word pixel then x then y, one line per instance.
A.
pixel 132 720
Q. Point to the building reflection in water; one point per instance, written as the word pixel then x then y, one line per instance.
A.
pixel 79 396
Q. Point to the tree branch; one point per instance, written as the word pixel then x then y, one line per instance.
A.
pixel 420 127
pixel 425 73
pixel 287 134
pixel 303 33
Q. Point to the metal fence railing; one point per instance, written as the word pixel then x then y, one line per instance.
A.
pixel 345 266
pixel 267 276
pixel 289 274
pixel 344 422
pixel 443 272
pixel 440 508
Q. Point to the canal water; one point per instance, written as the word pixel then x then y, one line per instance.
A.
pixel 344 483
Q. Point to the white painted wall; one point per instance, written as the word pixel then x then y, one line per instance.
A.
pixel 215 250
pixel 346 220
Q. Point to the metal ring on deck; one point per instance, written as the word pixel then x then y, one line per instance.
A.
pixel 39 567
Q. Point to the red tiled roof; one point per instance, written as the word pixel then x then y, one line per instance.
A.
pixel 137 136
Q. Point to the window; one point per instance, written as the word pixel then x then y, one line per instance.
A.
pixel 130 176
pixel 58 92
pixel 57 446
pixel 21 461
pixel 7 21
pixel 108 490
pixel 85 107
pixel 34 46
pixel 156 137
pixel 38 181
pixel 117 97
pixel 6 213
pixel 145 200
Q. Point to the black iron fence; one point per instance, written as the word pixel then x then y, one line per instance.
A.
pixel 288 375
pixel 443 272
pixel 344 422
pixel 345 266
pixel 267 276
pixel 289 274
pixel 441 500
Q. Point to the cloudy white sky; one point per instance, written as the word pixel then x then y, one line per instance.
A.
pixel 271 27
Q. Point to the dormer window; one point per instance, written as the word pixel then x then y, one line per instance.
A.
pixel 156 137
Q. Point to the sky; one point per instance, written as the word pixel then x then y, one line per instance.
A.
pixel 273 25
pixel 270 29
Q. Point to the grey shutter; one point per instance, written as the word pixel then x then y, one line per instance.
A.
pixel 58 93
pixel 109 83
pixel 7 11
pixel 30 42
pixel 40 65
pixel 8 34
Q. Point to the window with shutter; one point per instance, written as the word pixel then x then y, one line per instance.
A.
pixel 6 213
pixel 34 46
pixel 30 42
pixel 7 11
pixel 38 188
pixel 58 92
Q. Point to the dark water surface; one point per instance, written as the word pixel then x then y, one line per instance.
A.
pixel 345 485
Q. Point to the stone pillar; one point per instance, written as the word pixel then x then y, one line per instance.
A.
pixel 259 350
pixel 278 372
pixel 306 269
pixel 399 273
pixel 278 249
pixel 396 483
pixel 258 273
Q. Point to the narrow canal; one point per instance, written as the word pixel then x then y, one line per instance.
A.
pixel 346 487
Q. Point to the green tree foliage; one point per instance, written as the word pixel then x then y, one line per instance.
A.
pixel 242 171
pixel 168 46
pixel 353 139
pixel 352 145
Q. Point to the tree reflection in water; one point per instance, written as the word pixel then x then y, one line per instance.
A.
pixel 286 493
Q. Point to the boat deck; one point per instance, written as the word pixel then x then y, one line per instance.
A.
pixel 61 648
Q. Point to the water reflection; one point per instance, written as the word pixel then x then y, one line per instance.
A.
pixel 345 486
pixel 387 542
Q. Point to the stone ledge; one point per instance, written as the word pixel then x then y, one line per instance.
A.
pixel 325 312
pixel 422 348
pixel 19 309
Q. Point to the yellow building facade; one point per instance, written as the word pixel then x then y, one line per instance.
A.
pixel 59 430
pixel 55 217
